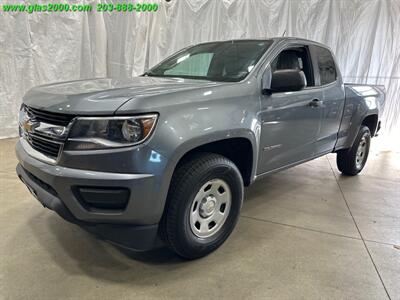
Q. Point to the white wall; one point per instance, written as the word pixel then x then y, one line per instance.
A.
pixel 40 47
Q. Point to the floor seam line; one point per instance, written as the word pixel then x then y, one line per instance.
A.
pixel 315 230
pixel 300 227
pixel 381 243
pixel 358 229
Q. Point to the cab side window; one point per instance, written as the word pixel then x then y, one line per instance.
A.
pixel 326 65
pixel 295 58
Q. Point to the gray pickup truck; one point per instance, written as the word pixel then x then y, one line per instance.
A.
pixel 163 158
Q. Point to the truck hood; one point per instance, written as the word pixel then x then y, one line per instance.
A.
pixel 104 95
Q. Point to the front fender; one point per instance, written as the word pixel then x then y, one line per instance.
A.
pixel 180 131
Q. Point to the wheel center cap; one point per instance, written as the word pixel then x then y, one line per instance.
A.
pixel 207 206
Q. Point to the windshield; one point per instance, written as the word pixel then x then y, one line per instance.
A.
pixel 218 61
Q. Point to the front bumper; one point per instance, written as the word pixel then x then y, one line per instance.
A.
pixel 53 186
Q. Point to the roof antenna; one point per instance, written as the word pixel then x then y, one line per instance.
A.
pixel 284 33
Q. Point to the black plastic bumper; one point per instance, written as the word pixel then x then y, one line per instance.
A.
pixel 140 238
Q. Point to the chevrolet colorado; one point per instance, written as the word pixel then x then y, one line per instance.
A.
pixel 163 158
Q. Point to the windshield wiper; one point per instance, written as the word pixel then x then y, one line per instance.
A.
pixel 150 74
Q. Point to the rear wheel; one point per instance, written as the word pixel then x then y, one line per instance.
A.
pixel 203 205
pixel 352 161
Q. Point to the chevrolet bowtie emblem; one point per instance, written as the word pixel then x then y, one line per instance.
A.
pixel 29 125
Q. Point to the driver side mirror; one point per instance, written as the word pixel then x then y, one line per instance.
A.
pixel 284 81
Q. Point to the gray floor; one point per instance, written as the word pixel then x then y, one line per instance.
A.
pixel 304 233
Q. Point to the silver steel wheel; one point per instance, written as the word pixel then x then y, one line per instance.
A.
pixel 210 208
pixel 361 152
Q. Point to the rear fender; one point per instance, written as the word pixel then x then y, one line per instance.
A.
pixel 361 101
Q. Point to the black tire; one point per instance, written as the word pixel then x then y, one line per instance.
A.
pixel 347 161
pixel 187 181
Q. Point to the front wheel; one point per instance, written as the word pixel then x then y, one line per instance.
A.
pixel 352 161
pixel 203 205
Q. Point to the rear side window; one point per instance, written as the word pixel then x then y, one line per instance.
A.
pixel 326 65
pixel 296 58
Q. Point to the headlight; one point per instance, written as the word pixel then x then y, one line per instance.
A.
pixel 109 132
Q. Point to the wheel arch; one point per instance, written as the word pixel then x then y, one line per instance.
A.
pixel 371 121
pixel 237 149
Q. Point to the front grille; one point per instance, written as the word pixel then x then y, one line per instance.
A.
pixel 49 117
pixel 45 146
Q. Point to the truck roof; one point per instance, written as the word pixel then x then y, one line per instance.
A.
pixel 279 39
pixel 275 39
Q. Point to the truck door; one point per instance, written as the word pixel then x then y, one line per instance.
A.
pixel 328 79
pixel 290 120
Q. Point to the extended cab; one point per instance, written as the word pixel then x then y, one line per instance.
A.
pixel 164 157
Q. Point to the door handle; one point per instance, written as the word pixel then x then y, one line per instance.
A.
pixel 314 103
